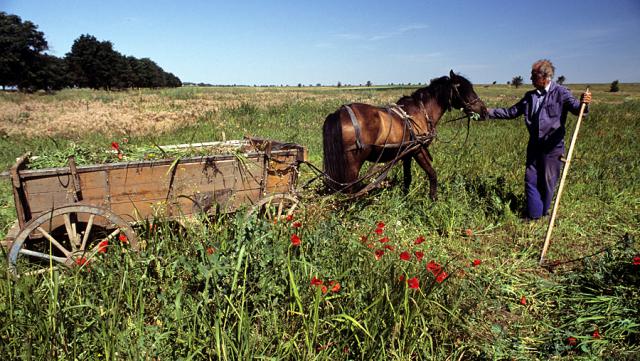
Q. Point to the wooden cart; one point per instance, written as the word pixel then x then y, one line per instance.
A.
pixel 65 216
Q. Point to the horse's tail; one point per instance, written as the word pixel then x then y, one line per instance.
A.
pixel 334 157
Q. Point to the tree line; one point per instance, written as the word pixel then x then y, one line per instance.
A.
pixel 90 63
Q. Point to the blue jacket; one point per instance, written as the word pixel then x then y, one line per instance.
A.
pixel 547 127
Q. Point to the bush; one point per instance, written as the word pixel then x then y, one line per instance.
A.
pixel 614 86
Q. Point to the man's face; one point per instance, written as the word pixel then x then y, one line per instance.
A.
pixel 539 80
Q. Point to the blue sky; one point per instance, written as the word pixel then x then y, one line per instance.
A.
pixel 352 42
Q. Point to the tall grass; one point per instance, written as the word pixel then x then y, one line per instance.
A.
pixel 231 287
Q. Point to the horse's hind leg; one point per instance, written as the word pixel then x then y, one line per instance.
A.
pixel 354 162
pixel 424 160
pixel 406 170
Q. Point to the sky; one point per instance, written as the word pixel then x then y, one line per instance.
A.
pixel 292 42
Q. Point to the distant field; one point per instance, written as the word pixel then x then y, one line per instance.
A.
pixel 236 288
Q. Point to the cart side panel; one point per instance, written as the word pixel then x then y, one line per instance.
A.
pixel 282 173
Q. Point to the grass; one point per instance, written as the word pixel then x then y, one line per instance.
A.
pixel 231 287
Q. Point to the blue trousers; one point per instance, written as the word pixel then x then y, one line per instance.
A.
pixel 541 176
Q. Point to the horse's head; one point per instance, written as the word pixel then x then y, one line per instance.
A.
pixel 464 97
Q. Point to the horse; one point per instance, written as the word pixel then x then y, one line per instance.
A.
pixel 358 132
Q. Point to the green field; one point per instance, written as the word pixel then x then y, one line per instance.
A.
pixel 232 287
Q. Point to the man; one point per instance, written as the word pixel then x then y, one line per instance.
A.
pixel 545 114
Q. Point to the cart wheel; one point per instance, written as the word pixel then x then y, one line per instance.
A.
pixel 84 232
pixel 275 207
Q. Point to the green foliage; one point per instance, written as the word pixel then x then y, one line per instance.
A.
pixel 516 81
pixel 614 86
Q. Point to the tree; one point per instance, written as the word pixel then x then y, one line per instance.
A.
pixel 614 86
pixel 516 81
pixel 561 79
pixel 368 82
pixel 21 48
pixel 339 84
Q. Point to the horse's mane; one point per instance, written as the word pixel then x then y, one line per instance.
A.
pixel 438 88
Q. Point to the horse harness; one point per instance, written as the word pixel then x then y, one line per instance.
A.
pixel 409 124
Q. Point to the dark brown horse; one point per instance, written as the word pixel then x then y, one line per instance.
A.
pixel 356 133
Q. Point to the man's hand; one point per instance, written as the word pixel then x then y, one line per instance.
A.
pixel 585 98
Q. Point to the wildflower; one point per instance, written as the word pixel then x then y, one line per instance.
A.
pixel 380 225
pixel 572 341
pixel 523 300
pixel 389 247
pixel 289 217
pixel 596 333
pixel 120 156
pixel 81 261
pixel 434 267
pixel 123 238
pixel 384 239
pixel 636 261
pixel 476 262
pixel 102 246
pixel 413 283
pixel 468 232
pixel 336 287
pixel 378 254
pixel 115 146
pixel 379 231
pixel 419 240
pixel 441 276
pixel 419 255
pixel 405 256
pixel 295 240
pixel 401 278
pixel 363 239
pixel 316 281
pixel 323 289
pixel 297 224
pixel 210 250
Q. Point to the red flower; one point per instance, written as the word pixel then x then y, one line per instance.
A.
pixel 102 246
pixel 210 250
pixel 289 217
pixel 572 341
pixel 380 225
pixel 401 278
pixel 123 238
pixel 419 255
pixel 384 240
pixel 434 268
pixel 379 253
pixel 476 262
pixel 419 240
pixel 363 239
pixel 636 261
pixel 405 256
pixel 413 283
pixel 81 261
pixel 315 281
pixel 468 232
pixel 115 146
pixel 441 276
pixel 120 156
pixel 336 287
pixel 295 240
pixel 323 289
pixel 297 224
pixel 378 231
pixel 596 333
pixel 523 300
pixel 389 247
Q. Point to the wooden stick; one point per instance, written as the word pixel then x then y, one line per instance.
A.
pixel 565 170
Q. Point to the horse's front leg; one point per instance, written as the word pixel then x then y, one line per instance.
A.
pixel 424 160
pixel 406 170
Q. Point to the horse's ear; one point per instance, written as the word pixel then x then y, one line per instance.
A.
pixel 451 74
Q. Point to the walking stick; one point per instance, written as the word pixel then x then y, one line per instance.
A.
pixel 565 170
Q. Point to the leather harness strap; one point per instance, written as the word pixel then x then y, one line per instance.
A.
pixel 356 127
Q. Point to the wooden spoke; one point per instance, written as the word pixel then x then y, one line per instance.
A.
pixel 41 271
pixel 70 231
pixel 41 255
pixel 87 231
pixel 54 242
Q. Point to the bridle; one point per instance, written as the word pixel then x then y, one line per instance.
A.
pixel 466 106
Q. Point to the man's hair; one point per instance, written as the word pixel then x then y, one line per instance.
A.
pixel 544 67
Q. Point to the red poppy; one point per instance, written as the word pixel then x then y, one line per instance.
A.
pixel 295 240
pixel 289 217
pixel 379 231
pixel 323 289
pixel 468 232
pixel 380 225
pixel 379 253
pixel 434 267
pixel 572 341
pixel 123 238
pixel 401 278
pixel 336 287
pixel 210 250
pixel 636 261
pixel 297 224
pixel 441 276
pixel 363 239
pixel 476 262
pixel 81 261
pixel 413 283
pixel 419 255
pixel 389 247
pixel 419 240
pixel 405 256
pixel 315 281
pixel 384 240
pixel 596 333
pixel 523 300
pixel 102 246
pixel 115 146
